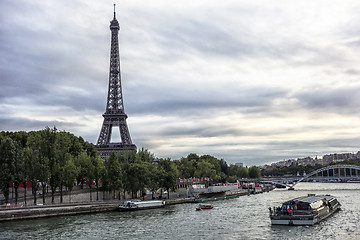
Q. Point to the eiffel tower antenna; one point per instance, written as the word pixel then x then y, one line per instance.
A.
pixel 114 12
pixel 114 115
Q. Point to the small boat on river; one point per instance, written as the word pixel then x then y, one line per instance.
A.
pixel 306 210
pixel 204 207
pixel 139 205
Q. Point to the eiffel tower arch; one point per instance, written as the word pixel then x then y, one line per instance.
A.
pixel 114 115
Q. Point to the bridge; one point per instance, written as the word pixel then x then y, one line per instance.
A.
pixel 333 172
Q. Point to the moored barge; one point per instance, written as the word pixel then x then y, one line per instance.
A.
pixel 140 205
pixel 306 210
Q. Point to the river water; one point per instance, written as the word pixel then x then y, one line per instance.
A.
pixel 245 217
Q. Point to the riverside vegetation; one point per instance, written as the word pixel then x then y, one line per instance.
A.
pixel 57 159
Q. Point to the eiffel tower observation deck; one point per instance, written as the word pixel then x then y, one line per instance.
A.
pixel 114 115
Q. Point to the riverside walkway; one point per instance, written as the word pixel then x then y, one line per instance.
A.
pixel 19 213
pixel 30 212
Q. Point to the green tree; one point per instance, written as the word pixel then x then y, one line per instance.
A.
pixel 243 172
pixel 69 175
pixel 7 165
pixel 84 165
pixel 137 177
pixel 98 171
pixel 90 175
pixel 143 155
pixel 39 169
pixel 25 156
pixel 170 175
pixel 205 169
pixel 156 172
pixel 213 161
pixel 114 172
pixel 236 172
pixel 254 172
pixel 18 175
pixel 48 136
pixel 187 167
pixel 62 149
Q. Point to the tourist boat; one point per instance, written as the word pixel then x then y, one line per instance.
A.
pixel 139 205
pixel 204 207
pixel 306 210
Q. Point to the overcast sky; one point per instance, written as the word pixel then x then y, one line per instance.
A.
pixel 247 81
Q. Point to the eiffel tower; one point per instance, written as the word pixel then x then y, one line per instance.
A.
pixel 114 115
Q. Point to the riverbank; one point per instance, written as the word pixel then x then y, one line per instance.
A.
pixel 19 212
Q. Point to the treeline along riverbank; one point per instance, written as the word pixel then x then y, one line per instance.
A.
pixel 51 161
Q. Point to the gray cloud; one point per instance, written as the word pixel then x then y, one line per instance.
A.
pixel 159 100
pixel 268 66
pixel 24 124
pixel 352 71
pixel 339 100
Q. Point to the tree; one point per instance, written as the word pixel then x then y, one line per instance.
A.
pixel 114 173
pixel 7 165
pixel 170 175
pixel 25 156
pixel 224 167
pixel 143 155
pixel 32 165
pixel 137 177
pixel 242 172
pixel 89 148
pixel 129 162
pixel 187 167
pixel 90 174
pixel 83 163
pixel 156 172
pixel 98 170
pixel 62 148
pixel 18 175
pixel 69 175
pixel 40 163
pixel 213 161
pixel 254 172
pixel 48 136
pixel 205 169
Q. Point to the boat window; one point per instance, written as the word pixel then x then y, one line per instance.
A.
pixel 316 204
pixel 332 202
pixel 302 206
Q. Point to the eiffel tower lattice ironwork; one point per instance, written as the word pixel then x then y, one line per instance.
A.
pixel 114 115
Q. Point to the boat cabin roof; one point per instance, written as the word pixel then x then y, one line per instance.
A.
pixel 312 199
pixel 309 199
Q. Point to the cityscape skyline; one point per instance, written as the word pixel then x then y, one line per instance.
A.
pixel 251 82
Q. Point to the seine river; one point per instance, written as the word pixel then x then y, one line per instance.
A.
pixel 243 218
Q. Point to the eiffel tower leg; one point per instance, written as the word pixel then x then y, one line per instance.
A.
pixel 125 134
pixel 105 134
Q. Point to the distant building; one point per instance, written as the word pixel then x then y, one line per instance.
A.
pixel 325 160
pixel 239 164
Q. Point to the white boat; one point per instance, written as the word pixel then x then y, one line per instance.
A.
pixel 306 210
pixel 139 205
